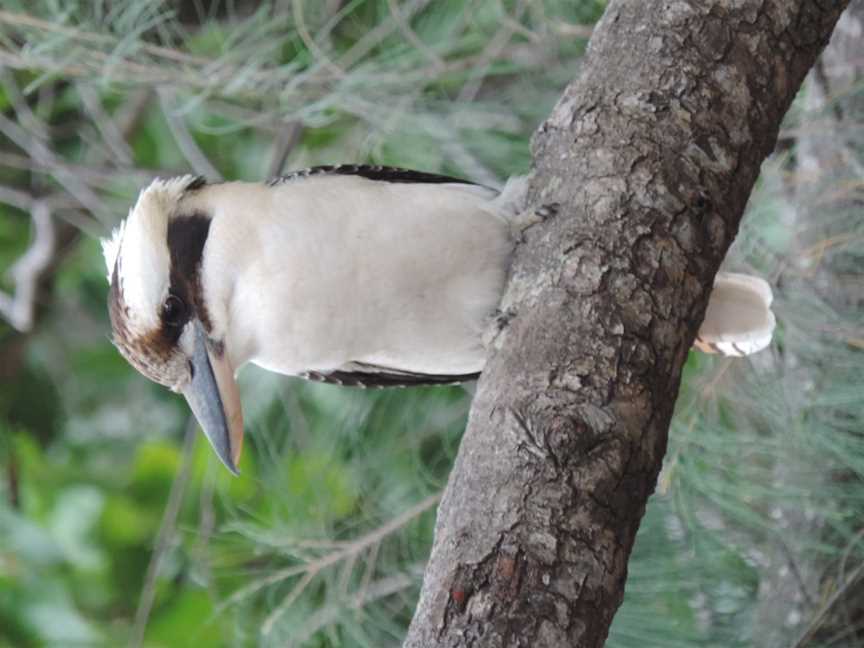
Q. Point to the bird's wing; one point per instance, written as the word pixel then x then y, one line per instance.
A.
pixel 361 374
pixel 381 174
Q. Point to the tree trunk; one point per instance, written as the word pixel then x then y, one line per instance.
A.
pixel 651 154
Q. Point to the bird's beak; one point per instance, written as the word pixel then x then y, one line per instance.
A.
pixel 215 400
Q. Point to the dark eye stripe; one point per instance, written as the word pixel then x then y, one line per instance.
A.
pixel 187 235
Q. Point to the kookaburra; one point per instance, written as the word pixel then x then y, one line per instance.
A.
pixel 356 275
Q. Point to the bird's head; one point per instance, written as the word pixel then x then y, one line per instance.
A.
pixel 159 314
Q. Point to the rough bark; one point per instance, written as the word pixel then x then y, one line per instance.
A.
pixel 651 154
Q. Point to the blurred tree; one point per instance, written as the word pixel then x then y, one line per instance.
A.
pixel 808 595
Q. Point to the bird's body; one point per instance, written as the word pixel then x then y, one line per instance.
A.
pixel 356 275
pixel 311 275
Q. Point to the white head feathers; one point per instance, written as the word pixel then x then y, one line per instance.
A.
pixel 139 249
pixel 111 248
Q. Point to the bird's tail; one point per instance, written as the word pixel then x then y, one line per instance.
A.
pixel 738 320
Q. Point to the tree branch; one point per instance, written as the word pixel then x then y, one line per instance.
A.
pixel 165 537
pixel 651 154
pixel 111 133
pixel 45 157
pixel 188 146
pixel 19 307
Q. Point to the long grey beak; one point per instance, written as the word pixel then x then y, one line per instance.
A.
pixel 215 400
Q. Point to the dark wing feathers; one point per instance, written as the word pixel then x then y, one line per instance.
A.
pixel 363 375
pixel 370 172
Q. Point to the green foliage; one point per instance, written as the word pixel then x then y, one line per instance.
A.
pixel 118 528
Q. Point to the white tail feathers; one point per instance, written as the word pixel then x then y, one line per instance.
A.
pixel 738 320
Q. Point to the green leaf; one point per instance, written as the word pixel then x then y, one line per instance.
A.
pixel 125 523
pixel 155 466
pixel 186 619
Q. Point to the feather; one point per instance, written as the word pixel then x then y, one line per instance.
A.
pixel 361 374
pixel 512 200
pixel 738 320
pixel 111 248
pixel 375 172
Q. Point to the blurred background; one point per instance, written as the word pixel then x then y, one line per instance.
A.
pixel 118 526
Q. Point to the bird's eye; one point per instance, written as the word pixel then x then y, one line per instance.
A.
pixel 174 311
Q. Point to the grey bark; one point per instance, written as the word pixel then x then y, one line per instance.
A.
pixel 827 159
pixel 651 154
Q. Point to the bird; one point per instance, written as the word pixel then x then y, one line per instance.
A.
pixel 356 275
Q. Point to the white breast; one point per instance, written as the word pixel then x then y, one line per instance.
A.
pixel 323 271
